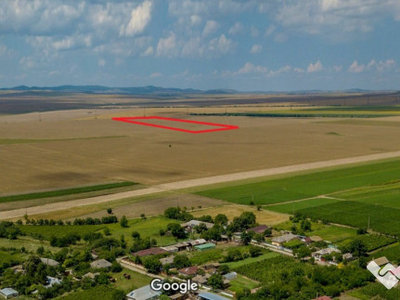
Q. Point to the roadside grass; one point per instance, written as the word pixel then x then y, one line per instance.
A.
pixel 308 185
pixel 240 283
pixel 127 285
pixel 66 192
pixel 250 260
pixel 29 243
pixel 147 228
pixel 47 231
pixel 99 292
pixel 289 208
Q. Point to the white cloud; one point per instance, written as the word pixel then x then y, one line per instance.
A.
pixel 356 68
pixel 167 46
pixel 194 47
pixel 236 28
pixel 149 51
pixel 314 67
pixel 298 70
pixel 195 20
pixel 270 30
pixel 285 69
pixel 385 66
pixel 27 62
pixel 337 68
pixel 256 49
pixel 250 68
pixel 210 27
pixel 140 17
pixel 221 44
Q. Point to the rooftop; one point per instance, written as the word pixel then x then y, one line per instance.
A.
pixel 50 262
pixel 143 293
pixel 259 229
pixel 150 251
pixel 8 292
pixel 285 238
pixel 189 271
pixel 100 264
pixel 193 223
pixel 211 296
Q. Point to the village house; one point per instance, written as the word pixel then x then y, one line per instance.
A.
pixel 143 293
pixel 50 262
pixel 318 255
pixel 189 271
pixel 280 240
pixel 100 264
pixel 8 293
pixel 193 223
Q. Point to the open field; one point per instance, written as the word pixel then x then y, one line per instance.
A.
pixel 308 185
pixel 61 149
pixel 290 208
pixel 235 210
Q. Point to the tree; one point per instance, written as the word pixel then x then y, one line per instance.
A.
pixel 116 267
pixel 136 235
pixel 109 211
pixel 358 248
pixel 176 230
pixel 255 251
pixel 206 218
pixel 233 255
pixel 152 264
pixel 259 237
pixel 216 281
pixel 107 231
pixel 123 222
pixel 223 269
pixel 181 261
pixel 305 225
pixel 40 250
pixel 143 216
pixel 246 237
pixel 201 228
pixel 302 252
pixel 221 219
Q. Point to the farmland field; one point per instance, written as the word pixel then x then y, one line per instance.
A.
pixel 359 215
pixel 65 149
pixel 308 185
pixel 288 208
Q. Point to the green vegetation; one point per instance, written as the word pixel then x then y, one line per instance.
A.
pixel 392 253
pixel 360 215
pixel 66 192
pixel 308 185
pixel 236 264
pixel 376 290
pixel 7 260
pixel 136 281
pixel 324 112
pixel 98 292
pixel 335 233
pixel 288 208
pixel 47 231
pixel 202 257
pixel 371 241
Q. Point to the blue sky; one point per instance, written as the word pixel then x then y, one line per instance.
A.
pixel 279 45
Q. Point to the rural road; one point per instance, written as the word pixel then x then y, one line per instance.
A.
pixel 47 208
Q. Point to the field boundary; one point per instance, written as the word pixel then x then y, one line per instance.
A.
pixel 181 185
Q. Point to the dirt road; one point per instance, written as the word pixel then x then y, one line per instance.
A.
pixel 18 213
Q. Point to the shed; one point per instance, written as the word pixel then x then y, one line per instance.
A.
pixel 205 246
pixel 8 293
pixel 144 293
pixel 100 264
pixel 189 271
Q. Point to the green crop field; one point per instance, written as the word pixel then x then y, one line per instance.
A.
pixel 360 215
pixel 335 234
pixel 385 194
pixel 47 231
pixel 240 283
pixel 98 292
pixel 7 260
pixel 308 185
pixel 392 253
pixel 66 192
pixel 371 241
pixel 289 208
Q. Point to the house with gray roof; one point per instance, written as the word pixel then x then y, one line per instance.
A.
pixel 8 293
pixel 49 262
pixel 144 293
pixel 100 264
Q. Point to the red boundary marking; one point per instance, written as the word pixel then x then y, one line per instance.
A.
pixel 132 120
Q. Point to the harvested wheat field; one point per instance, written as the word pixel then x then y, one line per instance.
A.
pixel 234 210
pixel 72 148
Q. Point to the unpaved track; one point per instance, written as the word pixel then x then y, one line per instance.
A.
pixel 47 208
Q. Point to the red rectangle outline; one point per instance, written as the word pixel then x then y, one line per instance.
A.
pixel 131 120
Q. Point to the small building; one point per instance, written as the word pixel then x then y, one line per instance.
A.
pixel 144 293
pixel 150 251
pixel 100 264
pixel 211 296
pixel 280 240
pixel 210 266
pixel 259 229
pixel 50 262
pixel 197 242
pixel 189 271
pixel 8 293
pixel 171 249
pixel 323 298
pixel 201 279
pixel 91 275
pixel 230 276
pixel 316 238
pixel 18 269
pixel 182 246
pixel 167 260
pixel 381 261
pixel 50 281
pixel 319 254
pixel 306 240
pixel 205 247
pixel 193 223
pixel 347 256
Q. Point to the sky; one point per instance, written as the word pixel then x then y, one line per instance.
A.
pixel 254 45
